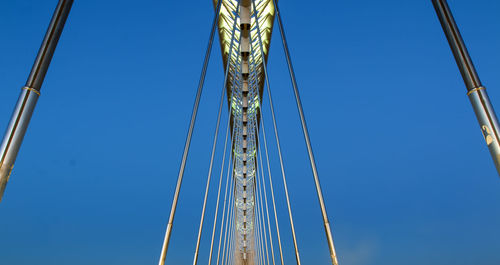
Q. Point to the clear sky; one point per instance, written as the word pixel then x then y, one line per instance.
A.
pixel 406 173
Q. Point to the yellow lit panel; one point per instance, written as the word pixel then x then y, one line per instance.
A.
pixel 265 11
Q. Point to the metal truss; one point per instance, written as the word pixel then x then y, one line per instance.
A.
pixel 244 85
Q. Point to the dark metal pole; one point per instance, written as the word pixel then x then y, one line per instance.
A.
pixel 477 93
pixel 30 93
pixel 305 131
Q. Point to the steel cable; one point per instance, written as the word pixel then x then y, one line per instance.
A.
pixel 201 82
pixel 295 244
pixel 225 144
pixel 305 132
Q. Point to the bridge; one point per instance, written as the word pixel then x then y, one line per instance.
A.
pixel 245 228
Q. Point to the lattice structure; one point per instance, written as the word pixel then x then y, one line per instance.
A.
pixel 244 87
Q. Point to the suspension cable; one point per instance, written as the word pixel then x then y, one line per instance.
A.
pixel 262 183
pixel 254 121
pixel 270 183
pixel 214 145
pixel 225 144
pixel 297 256
pixel 228 249
pixel 228 184
pixel 257 231
pixel 168 231
pixel 229 219
pixel 233 242
pixel 219 190
pixel 259 227
pixel 262 174
pixel 261 212
pixel 259 250
pixel 258 207
pixel 305 131
pixel 257 241
pixel 269 171
pixel 231 201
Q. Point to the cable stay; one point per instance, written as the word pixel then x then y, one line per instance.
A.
pixel 245 231
pixel 246 224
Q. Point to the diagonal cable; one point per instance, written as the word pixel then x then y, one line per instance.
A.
pixel 201 82
pixel 295 244
pixel 319 192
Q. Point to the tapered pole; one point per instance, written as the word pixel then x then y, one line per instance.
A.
pixel 29 94
pixel 477 93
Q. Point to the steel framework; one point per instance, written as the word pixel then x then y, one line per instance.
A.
pixel 244 67
pixel 245 28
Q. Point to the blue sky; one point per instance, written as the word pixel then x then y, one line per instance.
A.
pixel 405 171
